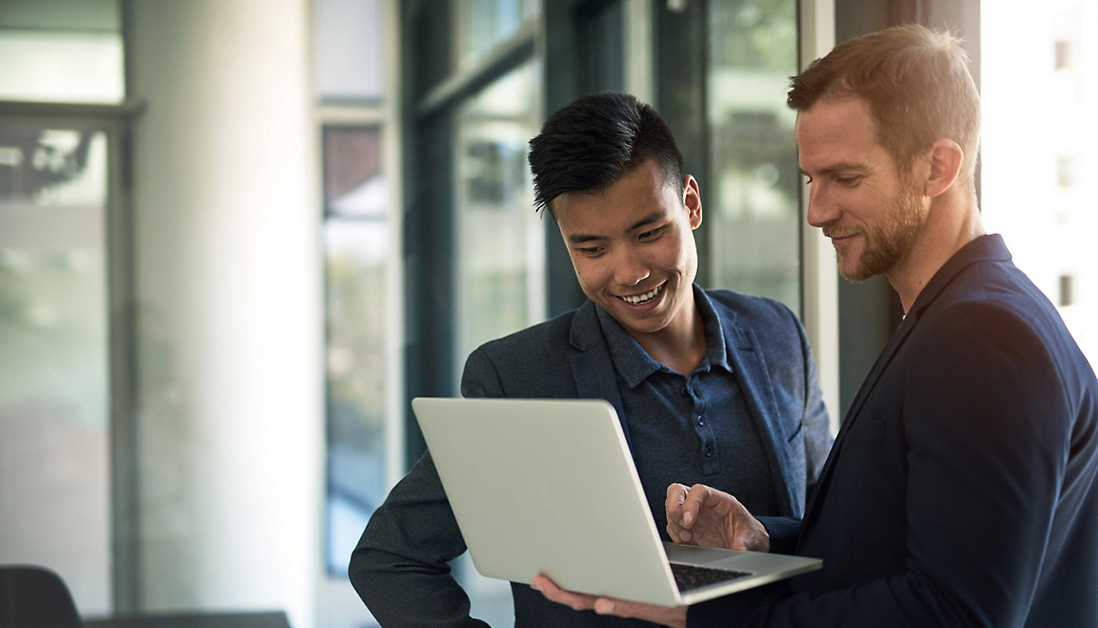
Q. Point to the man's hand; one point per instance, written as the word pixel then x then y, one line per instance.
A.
pixel 674 616
pixel 700 515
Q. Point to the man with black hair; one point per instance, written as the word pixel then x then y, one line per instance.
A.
pixel 710 385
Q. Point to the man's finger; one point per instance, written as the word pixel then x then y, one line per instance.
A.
pixel 678 534
pixel 674 616
pixel 676 493
pixel 575 601
pixel 666 615
pixel 605 606
pixel 695 498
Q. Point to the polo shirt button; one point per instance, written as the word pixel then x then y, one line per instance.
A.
pixel 685 392
pixel 700 420
pixel 709 451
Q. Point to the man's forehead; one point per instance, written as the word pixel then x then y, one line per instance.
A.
pixel 842 117
pixel 837 133
pixel 592 217
pixel 647 185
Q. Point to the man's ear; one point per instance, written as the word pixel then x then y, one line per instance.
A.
pixel 691 198
pixel 945 158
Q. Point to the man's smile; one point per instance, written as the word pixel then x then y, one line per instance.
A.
pixel 838 234
pixel 640 299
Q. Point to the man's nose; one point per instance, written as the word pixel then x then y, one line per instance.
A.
pixel 822 209
pixel 630 266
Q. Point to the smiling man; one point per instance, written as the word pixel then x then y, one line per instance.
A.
pixel 961 489
pixel 867 242
pixel 632 246
pixel 710 385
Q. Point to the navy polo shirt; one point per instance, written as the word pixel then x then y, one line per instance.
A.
pixel 692 428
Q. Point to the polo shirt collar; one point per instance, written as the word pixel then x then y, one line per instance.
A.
pixel 634 365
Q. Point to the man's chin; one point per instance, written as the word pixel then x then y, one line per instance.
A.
pixel 856 275
pixel 862 268
pixel 852 265
pixel 637 323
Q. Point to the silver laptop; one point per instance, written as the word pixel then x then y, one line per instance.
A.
pixel 549 487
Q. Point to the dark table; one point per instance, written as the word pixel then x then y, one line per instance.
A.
pixel 271 619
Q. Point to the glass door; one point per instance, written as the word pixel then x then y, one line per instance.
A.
pixel 55 471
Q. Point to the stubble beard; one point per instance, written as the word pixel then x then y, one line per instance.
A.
pixel 886 245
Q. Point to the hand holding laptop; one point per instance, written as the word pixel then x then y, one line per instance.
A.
pixel 697 515
pixel 704 516
pixel 673 616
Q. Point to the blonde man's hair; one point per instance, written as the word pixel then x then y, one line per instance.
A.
pixel 917 86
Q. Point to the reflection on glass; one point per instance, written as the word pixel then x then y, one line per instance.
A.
pixel 499 250
pixel 499 238
pixel 753 203
pixel 356 238
pixel 1040 136
pixel 483 24
pixel 350 49
pixel 54 394
pixel 61 51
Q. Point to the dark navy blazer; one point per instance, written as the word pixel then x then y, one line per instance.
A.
pixel 400 565
pixel 960 490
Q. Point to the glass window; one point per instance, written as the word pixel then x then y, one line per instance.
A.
pixel 54 387
pixel 1040 133
pixel 752 202
pixel 483 24
pixel 356 239
pixel 499 240
pixel 62 50
pixel 499 245
pixel 350 45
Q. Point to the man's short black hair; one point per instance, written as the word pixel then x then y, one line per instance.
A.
pixel 590 144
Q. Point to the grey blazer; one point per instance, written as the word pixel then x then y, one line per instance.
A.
pixel 400 565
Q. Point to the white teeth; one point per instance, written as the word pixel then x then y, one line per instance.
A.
pixel 644 298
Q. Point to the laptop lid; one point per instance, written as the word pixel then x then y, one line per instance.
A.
pixel 549 486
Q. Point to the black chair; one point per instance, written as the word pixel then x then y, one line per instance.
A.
pixel 35 597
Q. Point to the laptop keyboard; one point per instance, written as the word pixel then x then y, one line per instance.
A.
pixel 689 577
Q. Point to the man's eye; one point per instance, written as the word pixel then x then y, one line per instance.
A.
pixel 648 235
pixel 848 181
pixel 590 250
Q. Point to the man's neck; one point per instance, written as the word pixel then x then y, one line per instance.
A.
pixel 949 226
pixel 679 346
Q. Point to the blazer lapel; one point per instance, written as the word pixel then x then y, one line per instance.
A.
pixel 749 365
pixel 883 360
pixel 592 368
pixel 983 248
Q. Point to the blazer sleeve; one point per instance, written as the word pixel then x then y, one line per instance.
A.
pixel 400 567
pixel 783 532
pixel 987 430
